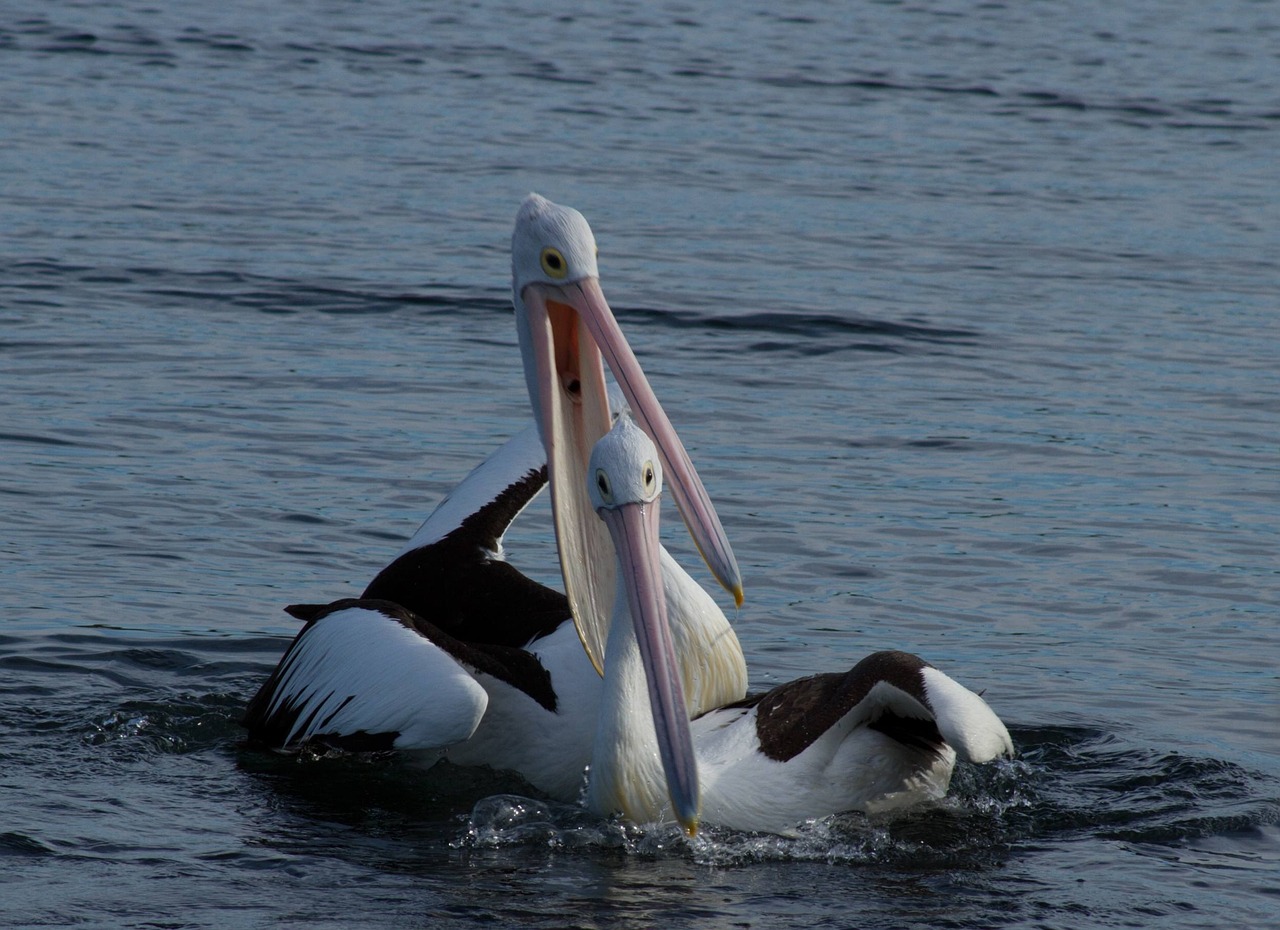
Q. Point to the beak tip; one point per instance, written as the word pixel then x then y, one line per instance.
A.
pixel 689 823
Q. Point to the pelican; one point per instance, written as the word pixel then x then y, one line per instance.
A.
pixel 567 332
pixel 451 651
pixel 883 735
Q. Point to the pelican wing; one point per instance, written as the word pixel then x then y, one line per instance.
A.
pixel 366 674
pixel 452 569
pixel 895 692
pixel 360 675
pixel 488 499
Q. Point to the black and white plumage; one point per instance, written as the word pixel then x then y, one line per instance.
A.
pixel 413 666
pixel 375 673
pixel 884 734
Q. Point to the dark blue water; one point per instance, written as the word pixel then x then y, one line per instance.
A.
pixel 968 314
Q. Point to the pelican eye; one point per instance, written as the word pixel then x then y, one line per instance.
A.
pixel 649 479
pixel 602 482
pixel 553 262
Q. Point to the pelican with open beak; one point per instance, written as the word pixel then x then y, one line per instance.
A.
pixel 567 333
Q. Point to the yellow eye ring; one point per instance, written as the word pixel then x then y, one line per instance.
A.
pixel 553 263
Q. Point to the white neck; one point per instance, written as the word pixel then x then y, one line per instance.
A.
pixel 626 768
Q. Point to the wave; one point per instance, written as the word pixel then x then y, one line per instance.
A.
pixel 793 331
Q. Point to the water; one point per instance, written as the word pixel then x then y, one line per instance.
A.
pixel 967 314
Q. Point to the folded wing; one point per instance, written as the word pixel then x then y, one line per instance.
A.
pixel 361 675
pixel 895 692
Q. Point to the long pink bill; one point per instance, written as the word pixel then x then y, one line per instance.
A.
pixel 634 528
pixel 586 300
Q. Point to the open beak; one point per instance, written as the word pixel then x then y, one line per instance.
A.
pixel 568 332
pixel 634 529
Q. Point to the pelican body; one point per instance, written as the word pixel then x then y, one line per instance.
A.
pixel 884 734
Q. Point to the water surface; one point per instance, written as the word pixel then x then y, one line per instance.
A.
pixel 967 315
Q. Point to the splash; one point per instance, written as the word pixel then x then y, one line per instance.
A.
pixel 972 822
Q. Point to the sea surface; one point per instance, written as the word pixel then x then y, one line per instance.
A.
pixel 967 312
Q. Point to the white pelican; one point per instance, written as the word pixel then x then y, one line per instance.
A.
pixel 884 734
pixel 452 651
pixel 566 332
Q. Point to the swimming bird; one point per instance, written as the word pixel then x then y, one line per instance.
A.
pixel 450 650
pixel 884 734
pixel 567 332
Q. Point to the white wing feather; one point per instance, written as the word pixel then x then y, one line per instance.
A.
pixel 359 671
pixel 964 719
pixel 508 464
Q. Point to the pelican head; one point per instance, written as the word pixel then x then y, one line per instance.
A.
pixel 624 483
pixel 567 333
